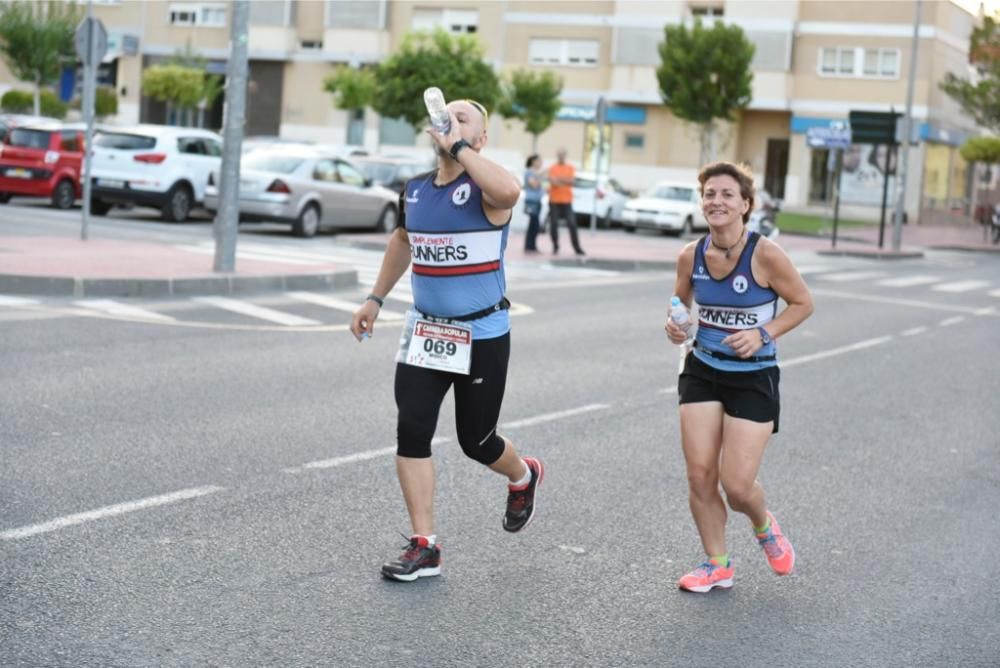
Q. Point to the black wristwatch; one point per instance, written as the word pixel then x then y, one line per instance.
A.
pixel 458 146
pixel 765 338
pixel 376 299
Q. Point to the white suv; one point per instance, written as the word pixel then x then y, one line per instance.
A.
pixel 161 166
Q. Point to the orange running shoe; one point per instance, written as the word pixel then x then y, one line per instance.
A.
pixel 707 576
pixel 778 550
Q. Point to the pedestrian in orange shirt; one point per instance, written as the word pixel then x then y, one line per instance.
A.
pixel 561 177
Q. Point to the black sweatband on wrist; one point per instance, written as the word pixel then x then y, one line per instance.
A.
pixel 377 300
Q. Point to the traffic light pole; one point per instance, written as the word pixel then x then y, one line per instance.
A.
pixel 903 170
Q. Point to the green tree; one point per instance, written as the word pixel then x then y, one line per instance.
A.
pixel 452 63
pixel 705 76
pixel 185 88
pixel 36 40
pixel 980 98
pixel 982 149
pixel 212 85
pixel 532 97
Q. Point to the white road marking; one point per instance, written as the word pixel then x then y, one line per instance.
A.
pixel 856 296
pixel 994 293
pixel 845 276
pixel 254 311
pixel 989 310
pixel 948 322
pixel 112 307
pixel 355 457
pixel 341 304
pixel 860 345
pixel 812 269
pixel 7 300
pixel 913 331
pixel 960 286
pixel 107 511
pixel 908 281
pixel 558 415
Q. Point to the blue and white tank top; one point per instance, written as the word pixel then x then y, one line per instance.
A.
pixel 457 254
pixel 731 304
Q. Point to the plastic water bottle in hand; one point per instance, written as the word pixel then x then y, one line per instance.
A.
pixel 436 110
pixel 680 317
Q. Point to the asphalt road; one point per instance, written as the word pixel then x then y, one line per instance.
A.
pixel 242 494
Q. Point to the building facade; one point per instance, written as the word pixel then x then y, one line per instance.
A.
pixel 814 63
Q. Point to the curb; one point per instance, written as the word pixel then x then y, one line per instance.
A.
pixel 615 264
pixel 966 249
pixel 226 284
pixel 873 254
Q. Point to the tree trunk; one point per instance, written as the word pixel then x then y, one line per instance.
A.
pixel 707 137
pixel 534 143
pixel 38 97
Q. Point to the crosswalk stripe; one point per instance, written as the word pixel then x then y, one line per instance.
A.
pixel 994 293
pixel 112 307
pixel 812 269
pixel 908 281
pixel 960 286
pixel 254 311
pixel 846 276
pixel 6 300
pixel 341 304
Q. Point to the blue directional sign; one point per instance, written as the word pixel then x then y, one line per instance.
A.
pixel 835 135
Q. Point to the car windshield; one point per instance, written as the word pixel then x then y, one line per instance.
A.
pixel 380 172
pixel 272 162
pixel 124 141
pixel 673 193
pixel 29 138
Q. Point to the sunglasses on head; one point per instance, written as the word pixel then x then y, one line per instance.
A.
pixel 482 110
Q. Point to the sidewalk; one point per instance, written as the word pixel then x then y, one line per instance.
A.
pixel 64 265
pixel 60 265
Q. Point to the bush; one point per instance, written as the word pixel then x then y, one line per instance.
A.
pixel 17 102
pixel 23 102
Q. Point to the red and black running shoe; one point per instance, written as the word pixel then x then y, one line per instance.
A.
pixel 420 560
pixel 521 502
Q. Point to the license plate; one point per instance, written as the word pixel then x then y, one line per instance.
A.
pixel 110 183
pixel 19 173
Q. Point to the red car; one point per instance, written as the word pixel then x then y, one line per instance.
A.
pixel 42 160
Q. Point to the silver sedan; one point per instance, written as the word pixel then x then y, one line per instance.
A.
pixel 309 189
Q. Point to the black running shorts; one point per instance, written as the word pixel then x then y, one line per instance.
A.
pixel 751 395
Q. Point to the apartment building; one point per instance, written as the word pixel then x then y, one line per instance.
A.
pixel 815 61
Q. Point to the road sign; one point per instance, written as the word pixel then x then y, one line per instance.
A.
pixel 873 127
pixel 91 29
pixel 835 135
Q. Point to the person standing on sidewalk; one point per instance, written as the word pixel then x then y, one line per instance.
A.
pixel 561 176
pixel 728 388
pixel 453 223
pixel 532 200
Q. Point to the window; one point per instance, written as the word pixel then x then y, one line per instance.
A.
pixel 347 174
pixel 635 140
pixel 325 171
pixel 574 52
pixel 210 15
pixel 212 147
pixel 453 20
pixel 367 15
pixel 311 45
pixel 124 142
pixel 859 62
pixel 70 140
pixel 24 138
pixel 191 146
pixel 702 11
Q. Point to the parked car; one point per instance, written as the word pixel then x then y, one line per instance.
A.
pixel 309 189
pixel 42 160
pixel 393 173
pixel 159 166
pixel 610 194
pixel 668 207
pixel 10 121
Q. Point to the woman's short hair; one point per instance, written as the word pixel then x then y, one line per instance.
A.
pixel 531 159
pixel 741 173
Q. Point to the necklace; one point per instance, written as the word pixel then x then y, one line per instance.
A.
pixel 729 250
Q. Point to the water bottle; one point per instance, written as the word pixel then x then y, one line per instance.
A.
pixel 436 110
pixel 680 316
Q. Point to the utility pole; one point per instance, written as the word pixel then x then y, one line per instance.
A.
pixel 226 226
pixel 903 170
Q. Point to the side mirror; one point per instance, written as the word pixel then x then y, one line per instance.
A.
pixel 368 182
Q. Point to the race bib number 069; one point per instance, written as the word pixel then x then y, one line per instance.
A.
pixel 441 346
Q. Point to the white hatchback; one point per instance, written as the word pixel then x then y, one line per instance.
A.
pixel 669 207
pixel 161 166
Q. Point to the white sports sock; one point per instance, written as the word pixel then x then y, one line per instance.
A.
pixel 527 476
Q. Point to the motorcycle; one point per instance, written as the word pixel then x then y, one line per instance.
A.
pixel 763 219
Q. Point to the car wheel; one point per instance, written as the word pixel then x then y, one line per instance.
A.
pixel 64 195
pixel 687 228
pixel 4 198
pixel 100 207
pixel 387 221
pixel 307 224
pixel 178 205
